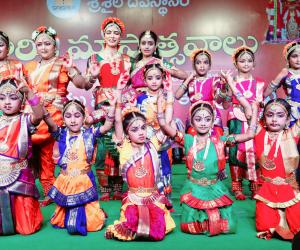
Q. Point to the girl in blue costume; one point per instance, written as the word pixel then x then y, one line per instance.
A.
pixel 74 190
pixel 289 78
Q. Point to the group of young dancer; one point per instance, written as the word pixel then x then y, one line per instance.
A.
pixel 128 137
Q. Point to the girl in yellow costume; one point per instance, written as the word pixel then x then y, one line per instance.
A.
pixel 49 78
pixel 74 191
pixel 144 211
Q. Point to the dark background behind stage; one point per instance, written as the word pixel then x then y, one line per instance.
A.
pixel 218 25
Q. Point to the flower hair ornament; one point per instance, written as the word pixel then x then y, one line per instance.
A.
pixel 241 51
pixel 113 21
pixel 290 47
pixel 45 30
pixel 202 105
pixel 197 52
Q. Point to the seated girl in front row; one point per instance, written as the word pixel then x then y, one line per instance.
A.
pixel 74 191
pixel 19 207
pixel 205 199
pixel 144 212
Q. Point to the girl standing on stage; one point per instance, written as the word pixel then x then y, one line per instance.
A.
pixel 144 212
pixel 74 190
pixel 155 78
pixel 8 66
pixel 149 54
pixel 49 78
pixel 278 198
pixel 201 87
pixel 19 206
pixel 204 198
pixel 242 156
pixel 107 67
pixel 290 79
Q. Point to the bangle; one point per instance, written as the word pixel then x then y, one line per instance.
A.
pixel 72 73
pixel 183 86
pixel 253 127
pixel 46 115
pixel 238 95
pixel 34 101
pixel 272 85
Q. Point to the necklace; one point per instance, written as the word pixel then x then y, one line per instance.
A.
pixel 7 122
pixel 269 164
pixel 198 92
pixel 140 171
pixel 72 155
pixel 114 63
pixel 198 164
pixel 246 92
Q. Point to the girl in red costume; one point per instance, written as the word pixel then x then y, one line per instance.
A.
pixel 107 67
pixel 278 198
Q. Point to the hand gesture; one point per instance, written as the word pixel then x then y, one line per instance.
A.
pixel 124 77
pixel 111 96
pixel 167 83
pixel 94 69
pixel 68 61
pixel 23 86
pixel 89 121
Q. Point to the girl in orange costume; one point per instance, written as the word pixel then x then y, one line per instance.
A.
pixel 74 190
pixel 19 207
pixel 49 78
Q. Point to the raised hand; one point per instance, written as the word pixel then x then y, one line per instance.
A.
pixel 167 83
pixel 94 69
pixel 23 86
pixel 111 96
pixel 122 82
pixel 68 61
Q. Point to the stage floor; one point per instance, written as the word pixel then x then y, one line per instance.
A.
pixel 49 238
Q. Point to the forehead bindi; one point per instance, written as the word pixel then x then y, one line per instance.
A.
pixel 153 72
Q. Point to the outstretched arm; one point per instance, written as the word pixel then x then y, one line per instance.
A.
pixel 184 86
pixel 33 100
pixel 275 84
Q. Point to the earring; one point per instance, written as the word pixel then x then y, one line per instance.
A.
pixel 286 126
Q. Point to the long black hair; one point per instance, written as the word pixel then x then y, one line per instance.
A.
pixel 155 38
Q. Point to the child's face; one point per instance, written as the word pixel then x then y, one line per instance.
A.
pixel 137 131
pixel 10 102
pixel 45 46
pixel 276 118
pixel 73 118
pixel 202 121
pixel 154 79
pixel 202 65
pixel 147 46
pixel 3 50
pixel 112 36
pixel 245 63
pixel 294 59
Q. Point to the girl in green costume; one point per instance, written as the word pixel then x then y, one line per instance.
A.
pixel 204 198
